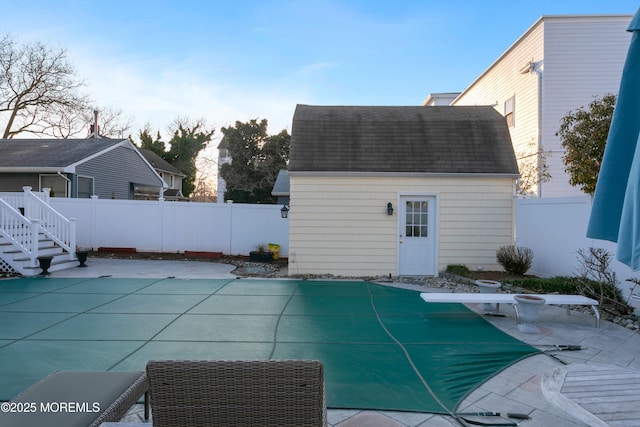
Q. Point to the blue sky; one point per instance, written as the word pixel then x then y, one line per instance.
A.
pixel 236 60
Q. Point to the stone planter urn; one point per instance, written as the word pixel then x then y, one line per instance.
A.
pixel 45 264
pixel 82 257
pixel 528 307
pixel 488 287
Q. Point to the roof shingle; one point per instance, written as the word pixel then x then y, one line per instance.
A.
pixel 440 139
pixel 48 153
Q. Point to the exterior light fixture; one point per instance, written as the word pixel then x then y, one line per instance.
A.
pixel 389 209
pixel 284 212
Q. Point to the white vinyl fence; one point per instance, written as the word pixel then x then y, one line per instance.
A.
pixel 555 228
pixel 164 226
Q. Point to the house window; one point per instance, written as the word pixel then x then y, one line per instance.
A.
pixel 416 219
pixel 56 183
pixel 85 187
pixel 509 107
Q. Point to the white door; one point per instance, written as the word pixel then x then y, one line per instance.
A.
pixel 417 240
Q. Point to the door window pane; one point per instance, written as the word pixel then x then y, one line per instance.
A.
pixel 416 217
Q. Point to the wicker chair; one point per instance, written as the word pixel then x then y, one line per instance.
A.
pixel 237 393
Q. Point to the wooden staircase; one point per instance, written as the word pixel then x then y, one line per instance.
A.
pixel 31 228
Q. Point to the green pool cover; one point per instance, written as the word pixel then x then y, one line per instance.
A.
pixel 383 348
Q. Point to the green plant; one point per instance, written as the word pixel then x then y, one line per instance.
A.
pixel 556 284
pixel 261 248
pixel 583 135
pixel 459 270
pixel 515 260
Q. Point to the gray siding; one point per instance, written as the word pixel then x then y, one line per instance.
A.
pixel 115 170
pixel 13 182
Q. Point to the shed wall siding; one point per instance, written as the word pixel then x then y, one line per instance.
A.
pixel 339 225
pixel 115 170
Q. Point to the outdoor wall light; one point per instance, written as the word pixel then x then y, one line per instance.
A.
pixel 284 212
pixel 389 209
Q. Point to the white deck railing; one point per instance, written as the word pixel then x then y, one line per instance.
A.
pixel 19 231
pixel 23 216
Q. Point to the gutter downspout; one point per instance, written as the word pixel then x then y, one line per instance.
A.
pixel 68 183
pixel 538 68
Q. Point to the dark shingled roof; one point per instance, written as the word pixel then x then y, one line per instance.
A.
pixel 50 152
pixel 159 163
pixel 441 139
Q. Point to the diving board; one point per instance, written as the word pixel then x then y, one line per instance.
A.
pixel 551 299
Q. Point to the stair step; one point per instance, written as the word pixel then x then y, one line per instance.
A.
pixel 55 266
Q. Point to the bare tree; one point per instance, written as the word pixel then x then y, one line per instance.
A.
pixel 532 164
pixel 37 87
pixel 206 169
pixel 79 123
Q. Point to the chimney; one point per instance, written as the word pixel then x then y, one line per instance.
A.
pixel 94 130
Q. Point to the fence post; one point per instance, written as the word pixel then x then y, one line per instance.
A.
pixel 163 226
pixel 94 221
pixel 230 204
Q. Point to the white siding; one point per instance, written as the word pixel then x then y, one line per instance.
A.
pixel 339 225
pixel 578 56
pixel 583 58
pixel 506 79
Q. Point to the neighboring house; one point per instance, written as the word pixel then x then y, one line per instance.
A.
pixel 169 173
pixel 223 158
pixel 281 187
pixel 434 99
pixel 448 173
pixel 76 168
pixel 556 66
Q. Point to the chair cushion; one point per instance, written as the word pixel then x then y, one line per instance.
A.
pixel 67 398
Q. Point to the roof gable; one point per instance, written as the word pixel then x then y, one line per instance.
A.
pixel 439 139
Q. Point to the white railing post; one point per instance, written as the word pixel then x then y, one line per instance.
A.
pixel 35 240
pixel 27 201
pixel 47 194
pixel 72 238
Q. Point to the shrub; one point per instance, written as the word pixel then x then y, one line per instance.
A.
pixel 515 260
pixel 459 270
pixel 598 280
pixel 557 284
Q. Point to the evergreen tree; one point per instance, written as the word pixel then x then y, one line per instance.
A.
pixel 256 159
